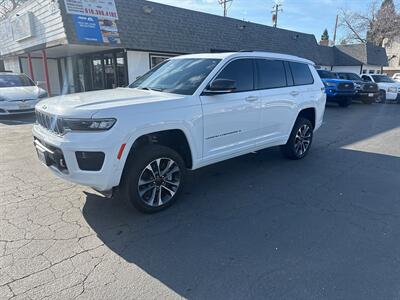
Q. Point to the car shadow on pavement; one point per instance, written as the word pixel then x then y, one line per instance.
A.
pixel 18 119
pixel 260 226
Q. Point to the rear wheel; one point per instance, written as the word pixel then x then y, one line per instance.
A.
pixel 300 140
pixel 153 179
pixel 345 102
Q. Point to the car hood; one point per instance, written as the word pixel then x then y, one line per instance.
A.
pixel 88 103
pixel 334 80
pixel 20 93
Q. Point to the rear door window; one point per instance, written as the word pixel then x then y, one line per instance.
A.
pixel 301 73
pixel 241 71
pixel 270 74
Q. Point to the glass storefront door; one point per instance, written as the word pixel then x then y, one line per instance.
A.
pixel 100 71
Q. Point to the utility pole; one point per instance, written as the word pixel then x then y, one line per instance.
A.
pixel 224 4
pixel 276 9
pixel 334 32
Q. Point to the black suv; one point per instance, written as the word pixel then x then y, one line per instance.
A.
pixel 367 92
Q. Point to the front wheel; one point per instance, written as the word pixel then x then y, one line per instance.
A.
pixel 382 97
pixel 368 100
pixel 300 140
pixel 345 102
pixel 153 179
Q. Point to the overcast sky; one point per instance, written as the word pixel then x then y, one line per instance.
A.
pixel 309 16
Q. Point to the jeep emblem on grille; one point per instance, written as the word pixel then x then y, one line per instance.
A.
pixel 44 106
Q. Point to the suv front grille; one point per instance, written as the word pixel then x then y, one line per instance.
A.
pixel 368 87
pixel 346 86
pixel 49 122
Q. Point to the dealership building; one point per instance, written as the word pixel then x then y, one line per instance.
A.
pixel 81 45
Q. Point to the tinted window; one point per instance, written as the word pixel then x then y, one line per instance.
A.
pixel 301 73
pixel 241 71
pixel 382 78
pixel 270 74
pixel 366 78
pixel 289 77
pixel 11 80
pixel 326 74
pixel 349 76
pixel 180 76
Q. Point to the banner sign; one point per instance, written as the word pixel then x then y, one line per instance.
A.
pixel 93 29
pixel 104 9
pixel 87 28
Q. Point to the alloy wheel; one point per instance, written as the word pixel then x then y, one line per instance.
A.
pixel 159 182
pixel 303 139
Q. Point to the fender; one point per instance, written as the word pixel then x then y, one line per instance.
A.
pixel 195 149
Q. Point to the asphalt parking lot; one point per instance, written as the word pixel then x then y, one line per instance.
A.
pixel 258 226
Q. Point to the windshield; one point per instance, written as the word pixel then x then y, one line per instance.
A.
pixel 382 78
pixel 350 76
pixel 10 80
pixel 326 74
pixel 178 76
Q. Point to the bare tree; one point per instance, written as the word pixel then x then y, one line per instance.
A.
pixel 380 22
pixel 7 6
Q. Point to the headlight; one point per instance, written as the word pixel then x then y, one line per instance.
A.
pixel 88 124
pixel 331 84
pixel 43 95
pixel 392 89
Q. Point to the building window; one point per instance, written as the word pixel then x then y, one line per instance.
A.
pixel 378 72
pixel 156 59
pixel 371 72
pixel 364 71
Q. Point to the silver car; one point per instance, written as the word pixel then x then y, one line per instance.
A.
pixel 18 94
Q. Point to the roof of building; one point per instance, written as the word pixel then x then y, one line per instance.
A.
pixel 155 27
pixel 367 54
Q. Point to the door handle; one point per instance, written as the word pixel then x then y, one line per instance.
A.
pixel 294 93
pixel 251 98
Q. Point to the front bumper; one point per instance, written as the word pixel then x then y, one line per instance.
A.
pixel 66 148
pixel 392 96
pixel 17 107
pixel 366 95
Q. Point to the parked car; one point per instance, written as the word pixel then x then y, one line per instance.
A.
pixel 367 92
pixel 18 94
pixel 186 113
pixel 389 90
pixel 396 77
pixel 337 90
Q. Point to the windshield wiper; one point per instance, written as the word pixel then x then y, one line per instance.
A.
pixel 151 89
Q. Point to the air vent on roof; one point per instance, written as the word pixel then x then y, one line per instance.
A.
pixel 296 36
pixel 148 9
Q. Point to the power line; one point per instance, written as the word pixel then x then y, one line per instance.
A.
pixel 276 9
pixel 224 4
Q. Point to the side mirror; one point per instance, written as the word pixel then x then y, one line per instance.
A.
pixel 220 86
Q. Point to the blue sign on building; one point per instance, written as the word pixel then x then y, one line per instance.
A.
pixel 87 29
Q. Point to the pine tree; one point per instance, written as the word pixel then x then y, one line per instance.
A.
pixel 325 35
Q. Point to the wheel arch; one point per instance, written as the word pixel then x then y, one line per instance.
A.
pixel 309 113
pixel 176 137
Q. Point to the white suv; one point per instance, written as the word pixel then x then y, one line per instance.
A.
pixel 388 88
pixel 186 113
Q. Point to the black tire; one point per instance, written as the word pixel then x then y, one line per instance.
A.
pixel 382 97
pixel 135 170
pixel 290 150
pixel 345 102
pixel 368 100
